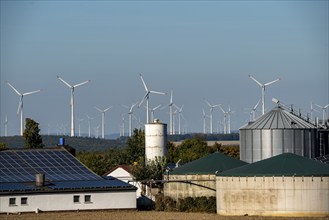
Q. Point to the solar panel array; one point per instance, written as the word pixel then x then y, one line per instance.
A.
pixel 323 159
pixel 57 165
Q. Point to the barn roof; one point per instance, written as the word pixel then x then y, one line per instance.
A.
pixel 215 162
pixel 286 164
pixel 63 172
pixel 279 118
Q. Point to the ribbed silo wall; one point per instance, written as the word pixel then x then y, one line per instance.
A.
pixel 259 144
pixel 155 140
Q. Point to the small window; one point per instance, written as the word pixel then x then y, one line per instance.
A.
pixel 12 201
pixel 76 199
pixel 87 198
pixel 24 201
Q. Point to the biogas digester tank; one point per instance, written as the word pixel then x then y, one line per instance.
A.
pixel 155 140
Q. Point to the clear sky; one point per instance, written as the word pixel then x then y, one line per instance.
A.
pixel 199 49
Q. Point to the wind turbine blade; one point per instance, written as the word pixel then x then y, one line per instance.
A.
pixel 156 107
pixel 222 109
pixel 98 109
pixel 171 96
pixel 80 84
pixel 66 83
pixel 14 88
pixel 19 108
pixel 107 109
pixel 326 106
pixel 204 114
pixel 29 93
pixel 160 93
pixel 145 97
pixel 267 84
pixel 256 105
pixel 175 106
pixel 319 106
pixel 181 109
pixel 207 103
pixel 145 87
pixel 250 76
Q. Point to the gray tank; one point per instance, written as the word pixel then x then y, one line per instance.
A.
pixel 277 131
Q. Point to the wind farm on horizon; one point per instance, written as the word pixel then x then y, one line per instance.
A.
pixel 176 113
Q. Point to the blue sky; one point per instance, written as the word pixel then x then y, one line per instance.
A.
pixel 198 49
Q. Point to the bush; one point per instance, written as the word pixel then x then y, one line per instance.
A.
pixel 164 203
pixel 198 204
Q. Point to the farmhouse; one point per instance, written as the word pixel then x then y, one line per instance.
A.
pixel 53 180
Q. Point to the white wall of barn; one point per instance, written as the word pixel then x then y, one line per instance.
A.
pixel 65 202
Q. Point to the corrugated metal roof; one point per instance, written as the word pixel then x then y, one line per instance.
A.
pixel 287 164
pixel 278 118
pixel 208 165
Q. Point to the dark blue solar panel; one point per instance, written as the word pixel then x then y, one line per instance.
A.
pixel 57 165
pixel 15 187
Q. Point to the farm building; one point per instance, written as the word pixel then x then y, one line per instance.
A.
pixel 53 180
pixel 123 173
pixel 284 185
pixel 279 131
pixel 198 178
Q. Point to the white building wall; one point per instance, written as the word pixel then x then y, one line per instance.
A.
pixel 273 196
pixel 64 202
pixel 125 176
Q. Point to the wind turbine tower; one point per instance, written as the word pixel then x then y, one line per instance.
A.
pixel 103 118
pixel 72 101
pixel 146 97
pixel 263 86
pixel 180 110
pixel 80 120
pixel 89 118
pixel 6 126
pixel 130 114
pixel 20 104
pixel 211 110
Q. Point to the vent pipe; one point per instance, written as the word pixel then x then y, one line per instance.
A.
pixel 39 179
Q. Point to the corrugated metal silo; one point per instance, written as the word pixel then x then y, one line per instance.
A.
pixel 276 132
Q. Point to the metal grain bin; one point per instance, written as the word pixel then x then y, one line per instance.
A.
pixel 276 132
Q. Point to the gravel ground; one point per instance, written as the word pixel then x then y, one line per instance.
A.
pixel 137 215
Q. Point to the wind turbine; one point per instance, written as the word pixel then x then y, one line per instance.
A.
pixel 80 120
pixel 204 116
pixel 130 113
pixel 103 118
pixel 89 118
pixel 180 110
pixel 211 109
pixel 253 111
pixel 171 103
pixel 323 112
pixel 263 86
pixel 6 126
pixel 146 97
pixel 122 126
pixel 72 101
pixel 153 110
pixel 20 104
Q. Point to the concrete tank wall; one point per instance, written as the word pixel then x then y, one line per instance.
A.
pixel 155 140
pixel 273 196
pixel 259 144
pixel 183 186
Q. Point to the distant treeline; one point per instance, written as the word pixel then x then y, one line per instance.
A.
pixel 97 144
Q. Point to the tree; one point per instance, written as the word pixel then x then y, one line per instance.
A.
pixel 136 147
pixel 3 146
pixel 31 134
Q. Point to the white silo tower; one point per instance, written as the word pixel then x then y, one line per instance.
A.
pixel 155 140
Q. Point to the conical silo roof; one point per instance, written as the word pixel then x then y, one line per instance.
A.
pixel 279 118
pixel 210 164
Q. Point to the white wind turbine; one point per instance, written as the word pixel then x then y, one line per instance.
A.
pixel 103 118
pixel 146 97
pixel 227 123
pixel 130 113
pixel 153 110
pixel 122 126
pixel 204 116
pixel 263 86
pixel 323 112
pixel 171 103
pixel 79 121
pixel 89 118
pixel 225 119
pixel 211 110
pixel 72 101
pixel 253 111
pixel 20 104
pixel 6 126
pixel 180 110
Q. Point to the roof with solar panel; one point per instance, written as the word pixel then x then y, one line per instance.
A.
pixel 61 170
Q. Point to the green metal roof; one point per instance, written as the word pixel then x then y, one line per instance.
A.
pixel 286 164
pixel 209 165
